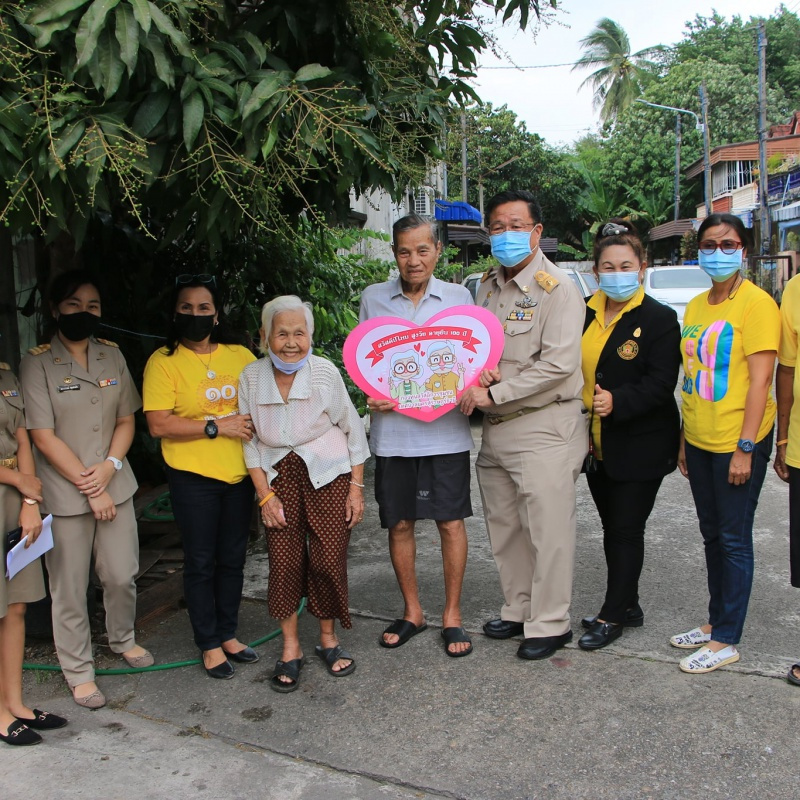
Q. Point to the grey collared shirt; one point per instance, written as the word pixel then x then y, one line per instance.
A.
pixel 394 434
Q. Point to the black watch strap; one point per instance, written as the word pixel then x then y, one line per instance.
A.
pixel 211 429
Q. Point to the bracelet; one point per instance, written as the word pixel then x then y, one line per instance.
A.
pixel 266 499
pixel 360 485
pixel 782 441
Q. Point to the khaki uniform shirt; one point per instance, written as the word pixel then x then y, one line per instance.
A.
pixel 12 415
pixel 542 314
pixel 82 407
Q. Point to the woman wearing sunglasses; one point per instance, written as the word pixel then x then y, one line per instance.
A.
pixel 729 343
pixel 191 403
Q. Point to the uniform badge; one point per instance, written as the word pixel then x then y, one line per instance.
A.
pixel 70 387
pixel 526 289
pixel 637 333
pixel 101 354
pixel 67 380
pixel 107 382
pixel 520 316
pixel 526 302
pixel 628 350
pixel 9 393
pixel 56 360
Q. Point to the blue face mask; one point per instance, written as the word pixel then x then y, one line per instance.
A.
pixel 511 247
pixel 619 286
pixel 720 266
pixel 288 367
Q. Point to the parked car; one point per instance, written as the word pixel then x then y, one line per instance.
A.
pixel 675 286
pixel 585 281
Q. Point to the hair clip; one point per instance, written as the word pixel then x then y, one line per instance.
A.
pixel 612 229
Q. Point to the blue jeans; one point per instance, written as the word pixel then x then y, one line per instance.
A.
pixel 214 520
pixel 725 513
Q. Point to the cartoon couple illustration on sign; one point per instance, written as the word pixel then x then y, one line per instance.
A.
pixel 443 385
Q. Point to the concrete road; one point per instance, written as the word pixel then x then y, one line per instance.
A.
pixel 411 723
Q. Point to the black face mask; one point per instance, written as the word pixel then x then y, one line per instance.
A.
pixel 79 326
pixel 193 327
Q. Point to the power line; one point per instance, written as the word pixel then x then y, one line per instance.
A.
pixel 536 66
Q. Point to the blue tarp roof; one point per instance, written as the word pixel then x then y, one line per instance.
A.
pixel 457 211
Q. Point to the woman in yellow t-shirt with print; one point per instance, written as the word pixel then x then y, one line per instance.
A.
pixel 729 343
pixel 191 404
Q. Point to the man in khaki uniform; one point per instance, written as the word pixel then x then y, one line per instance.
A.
pixel 534 432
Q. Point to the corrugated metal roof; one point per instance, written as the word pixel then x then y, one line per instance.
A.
pixel 676 227
pixel 746 151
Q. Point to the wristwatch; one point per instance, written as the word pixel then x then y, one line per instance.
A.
pixel 211 429
pixel 30 501
pixel 746 445
pixel 116 462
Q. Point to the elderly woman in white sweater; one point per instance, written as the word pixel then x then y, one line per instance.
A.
pixel 306 460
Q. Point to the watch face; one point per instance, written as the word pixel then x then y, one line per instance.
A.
pixel 746 446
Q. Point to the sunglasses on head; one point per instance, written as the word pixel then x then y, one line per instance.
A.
pixel 203 278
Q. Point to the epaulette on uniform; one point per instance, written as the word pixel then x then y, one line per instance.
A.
pixel 488 274
pixel 4 365
pixel 39 349
pixel 546 280
pixel 108 342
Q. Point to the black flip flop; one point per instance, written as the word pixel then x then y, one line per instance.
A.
pixel 330 655
pixel 287 669
pixel 791 677
pixel 452 636
pixel 404 630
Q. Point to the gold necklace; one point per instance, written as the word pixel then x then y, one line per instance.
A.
pixel 210 374
pixel 735 288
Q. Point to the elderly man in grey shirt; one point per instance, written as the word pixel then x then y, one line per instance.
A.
pixel 422 468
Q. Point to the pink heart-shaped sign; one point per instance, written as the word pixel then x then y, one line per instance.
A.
pixel 423 383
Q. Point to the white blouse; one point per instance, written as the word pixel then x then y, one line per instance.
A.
pixel 319 422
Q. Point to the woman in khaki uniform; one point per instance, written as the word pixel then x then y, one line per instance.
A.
pixel 80 404
pixel 20 494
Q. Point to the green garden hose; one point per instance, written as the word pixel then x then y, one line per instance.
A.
pixel 156 667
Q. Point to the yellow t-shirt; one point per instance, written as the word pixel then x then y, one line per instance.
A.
pixel 592 343
pixel 180 383
pixel 787 356
pixel 715 343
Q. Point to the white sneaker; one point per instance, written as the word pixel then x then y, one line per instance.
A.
pixel 691 639
pixel 706 660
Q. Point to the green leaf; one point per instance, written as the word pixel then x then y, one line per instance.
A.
pixel 10 145
pixel 163 66
pixel 432 14
pixel 193 111
pixel 69 138
pixel 89 29
pixel 263 91
pixel 127 32
pixel 164 24
pixel 53 9
pixel 44 32
pixel 141 11
pixel 111 65
pixel 312 72
pixel 257 45
pixel 234 54
pixel 151 112
pixel 189 87
pixel 220 86
pixel 272 137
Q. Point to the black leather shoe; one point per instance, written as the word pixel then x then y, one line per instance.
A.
pixel 246 656
pixel 503 629
pixel 634 618
pixel 599 635
pixel 542 646
pixel 223 671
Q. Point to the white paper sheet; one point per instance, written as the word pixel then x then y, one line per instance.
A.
pixel 18 557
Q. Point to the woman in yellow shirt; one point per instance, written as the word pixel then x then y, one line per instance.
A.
pixel 630 361
pixel 729 343
pixel 191 403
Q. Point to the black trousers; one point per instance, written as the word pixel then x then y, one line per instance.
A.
pixel 794 525
pixel 624 507
pixel 214 520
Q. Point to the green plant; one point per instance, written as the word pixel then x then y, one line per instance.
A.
pixel 689 245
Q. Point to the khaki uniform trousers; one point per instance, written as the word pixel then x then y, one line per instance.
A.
pixel 115 546
pixel 527 468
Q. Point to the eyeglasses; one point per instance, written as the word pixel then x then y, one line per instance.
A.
pixel 498 227
pixel 727 246
pixel 203 277
pixel 612 229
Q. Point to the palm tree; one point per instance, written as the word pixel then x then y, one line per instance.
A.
pixel 620 75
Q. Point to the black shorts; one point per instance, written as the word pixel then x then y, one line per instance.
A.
pixel 422 487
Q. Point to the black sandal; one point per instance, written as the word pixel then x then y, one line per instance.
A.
pixel 286 669
pixel 330 655
pixel 453 636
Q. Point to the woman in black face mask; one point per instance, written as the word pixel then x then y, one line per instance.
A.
pixel 191 403
pixel 80 402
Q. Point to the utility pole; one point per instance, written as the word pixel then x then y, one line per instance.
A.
pixel 706 149
pixel 464 156
pixel 763 178
pixel 677 167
